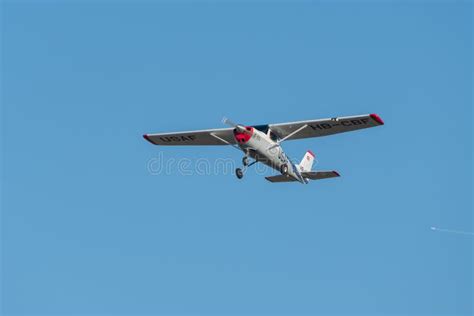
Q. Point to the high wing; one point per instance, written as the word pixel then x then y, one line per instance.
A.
pixel 219 136
pixel 324 127
pixel 284 131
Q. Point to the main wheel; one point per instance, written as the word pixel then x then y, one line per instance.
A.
pixel 239 173
pixel 284 169
pixel 245 161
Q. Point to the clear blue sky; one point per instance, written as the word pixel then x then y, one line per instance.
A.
pixel 87 230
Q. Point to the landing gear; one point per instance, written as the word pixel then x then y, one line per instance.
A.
pixel 239 173
pixel 284 169
pixel 245 161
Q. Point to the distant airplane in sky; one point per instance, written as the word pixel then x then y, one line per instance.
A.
pixel 262 143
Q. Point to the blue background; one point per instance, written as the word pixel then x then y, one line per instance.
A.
pixel 86 229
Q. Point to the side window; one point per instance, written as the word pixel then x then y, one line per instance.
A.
pixel 272 136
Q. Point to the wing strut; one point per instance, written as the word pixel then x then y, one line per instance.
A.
pixel 224 141
pixel 288 136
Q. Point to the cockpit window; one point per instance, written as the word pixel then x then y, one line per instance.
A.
pixel 262 128
pixel 273 136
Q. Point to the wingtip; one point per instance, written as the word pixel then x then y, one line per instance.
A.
pixel 337 173
pixel 377 118
pixel 147 138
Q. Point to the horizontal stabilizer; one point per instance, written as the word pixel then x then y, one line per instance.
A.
pixel 312 175
pixel 318 175
pixel 280 178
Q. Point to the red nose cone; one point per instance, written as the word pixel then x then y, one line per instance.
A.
pixel 242 138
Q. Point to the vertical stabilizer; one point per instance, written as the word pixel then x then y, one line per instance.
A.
pixel 307 162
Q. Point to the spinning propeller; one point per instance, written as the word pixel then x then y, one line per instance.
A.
pixel 238 127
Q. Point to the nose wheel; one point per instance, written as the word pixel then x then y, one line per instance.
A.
pixel 239 172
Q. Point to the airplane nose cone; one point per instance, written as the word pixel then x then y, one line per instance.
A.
pixel 242 134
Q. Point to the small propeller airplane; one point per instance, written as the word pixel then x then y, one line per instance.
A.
pixel 262 143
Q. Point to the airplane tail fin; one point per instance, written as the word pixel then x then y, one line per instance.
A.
pixel 307 162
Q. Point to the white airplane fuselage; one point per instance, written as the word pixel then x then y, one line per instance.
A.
pixel 261 147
